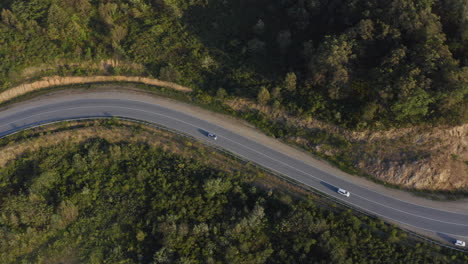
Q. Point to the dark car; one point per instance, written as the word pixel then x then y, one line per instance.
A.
pixel 213 136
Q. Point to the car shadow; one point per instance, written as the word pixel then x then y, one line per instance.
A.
pixel 447 238
pixel 203 132
pixel 329 186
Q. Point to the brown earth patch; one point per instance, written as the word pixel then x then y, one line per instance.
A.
pixel 431 158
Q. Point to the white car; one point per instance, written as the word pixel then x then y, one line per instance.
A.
pixel 460 243
pixel 343 192
pixel 213 136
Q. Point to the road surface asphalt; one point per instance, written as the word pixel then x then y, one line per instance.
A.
pixel 447 224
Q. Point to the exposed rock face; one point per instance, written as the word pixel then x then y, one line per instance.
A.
pixel 419 157
pixel 60 81
pixel 438 159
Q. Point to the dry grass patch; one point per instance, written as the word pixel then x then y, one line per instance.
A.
pixel 103 66
pixel 48 82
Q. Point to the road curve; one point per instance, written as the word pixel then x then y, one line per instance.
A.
pixel 444 223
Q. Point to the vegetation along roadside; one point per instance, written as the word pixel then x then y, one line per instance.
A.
pixel 112 191
pixel 355 82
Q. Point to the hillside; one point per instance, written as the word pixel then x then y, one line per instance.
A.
pixel 377 87
pixel 358 64
pixel 100 192
pixel 419 157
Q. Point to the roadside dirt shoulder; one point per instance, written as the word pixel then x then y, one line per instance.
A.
pixel 48 82
pixel 418 157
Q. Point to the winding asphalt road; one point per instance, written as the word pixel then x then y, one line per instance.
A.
pixel 445 223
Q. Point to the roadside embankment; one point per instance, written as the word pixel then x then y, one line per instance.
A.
pixel 426 158
pixel 48 82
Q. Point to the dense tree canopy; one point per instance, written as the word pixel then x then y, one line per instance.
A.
pixel 98 202
pixel 406 60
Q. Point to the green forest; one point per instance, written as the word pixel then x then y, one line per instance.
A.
pixel 101 202
pixel 355 63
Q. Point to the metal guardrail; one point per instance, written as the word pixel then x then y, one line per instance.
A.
pixel 277 174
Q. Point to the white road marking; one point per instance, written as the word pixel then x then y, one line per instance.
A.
pixel 275 160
